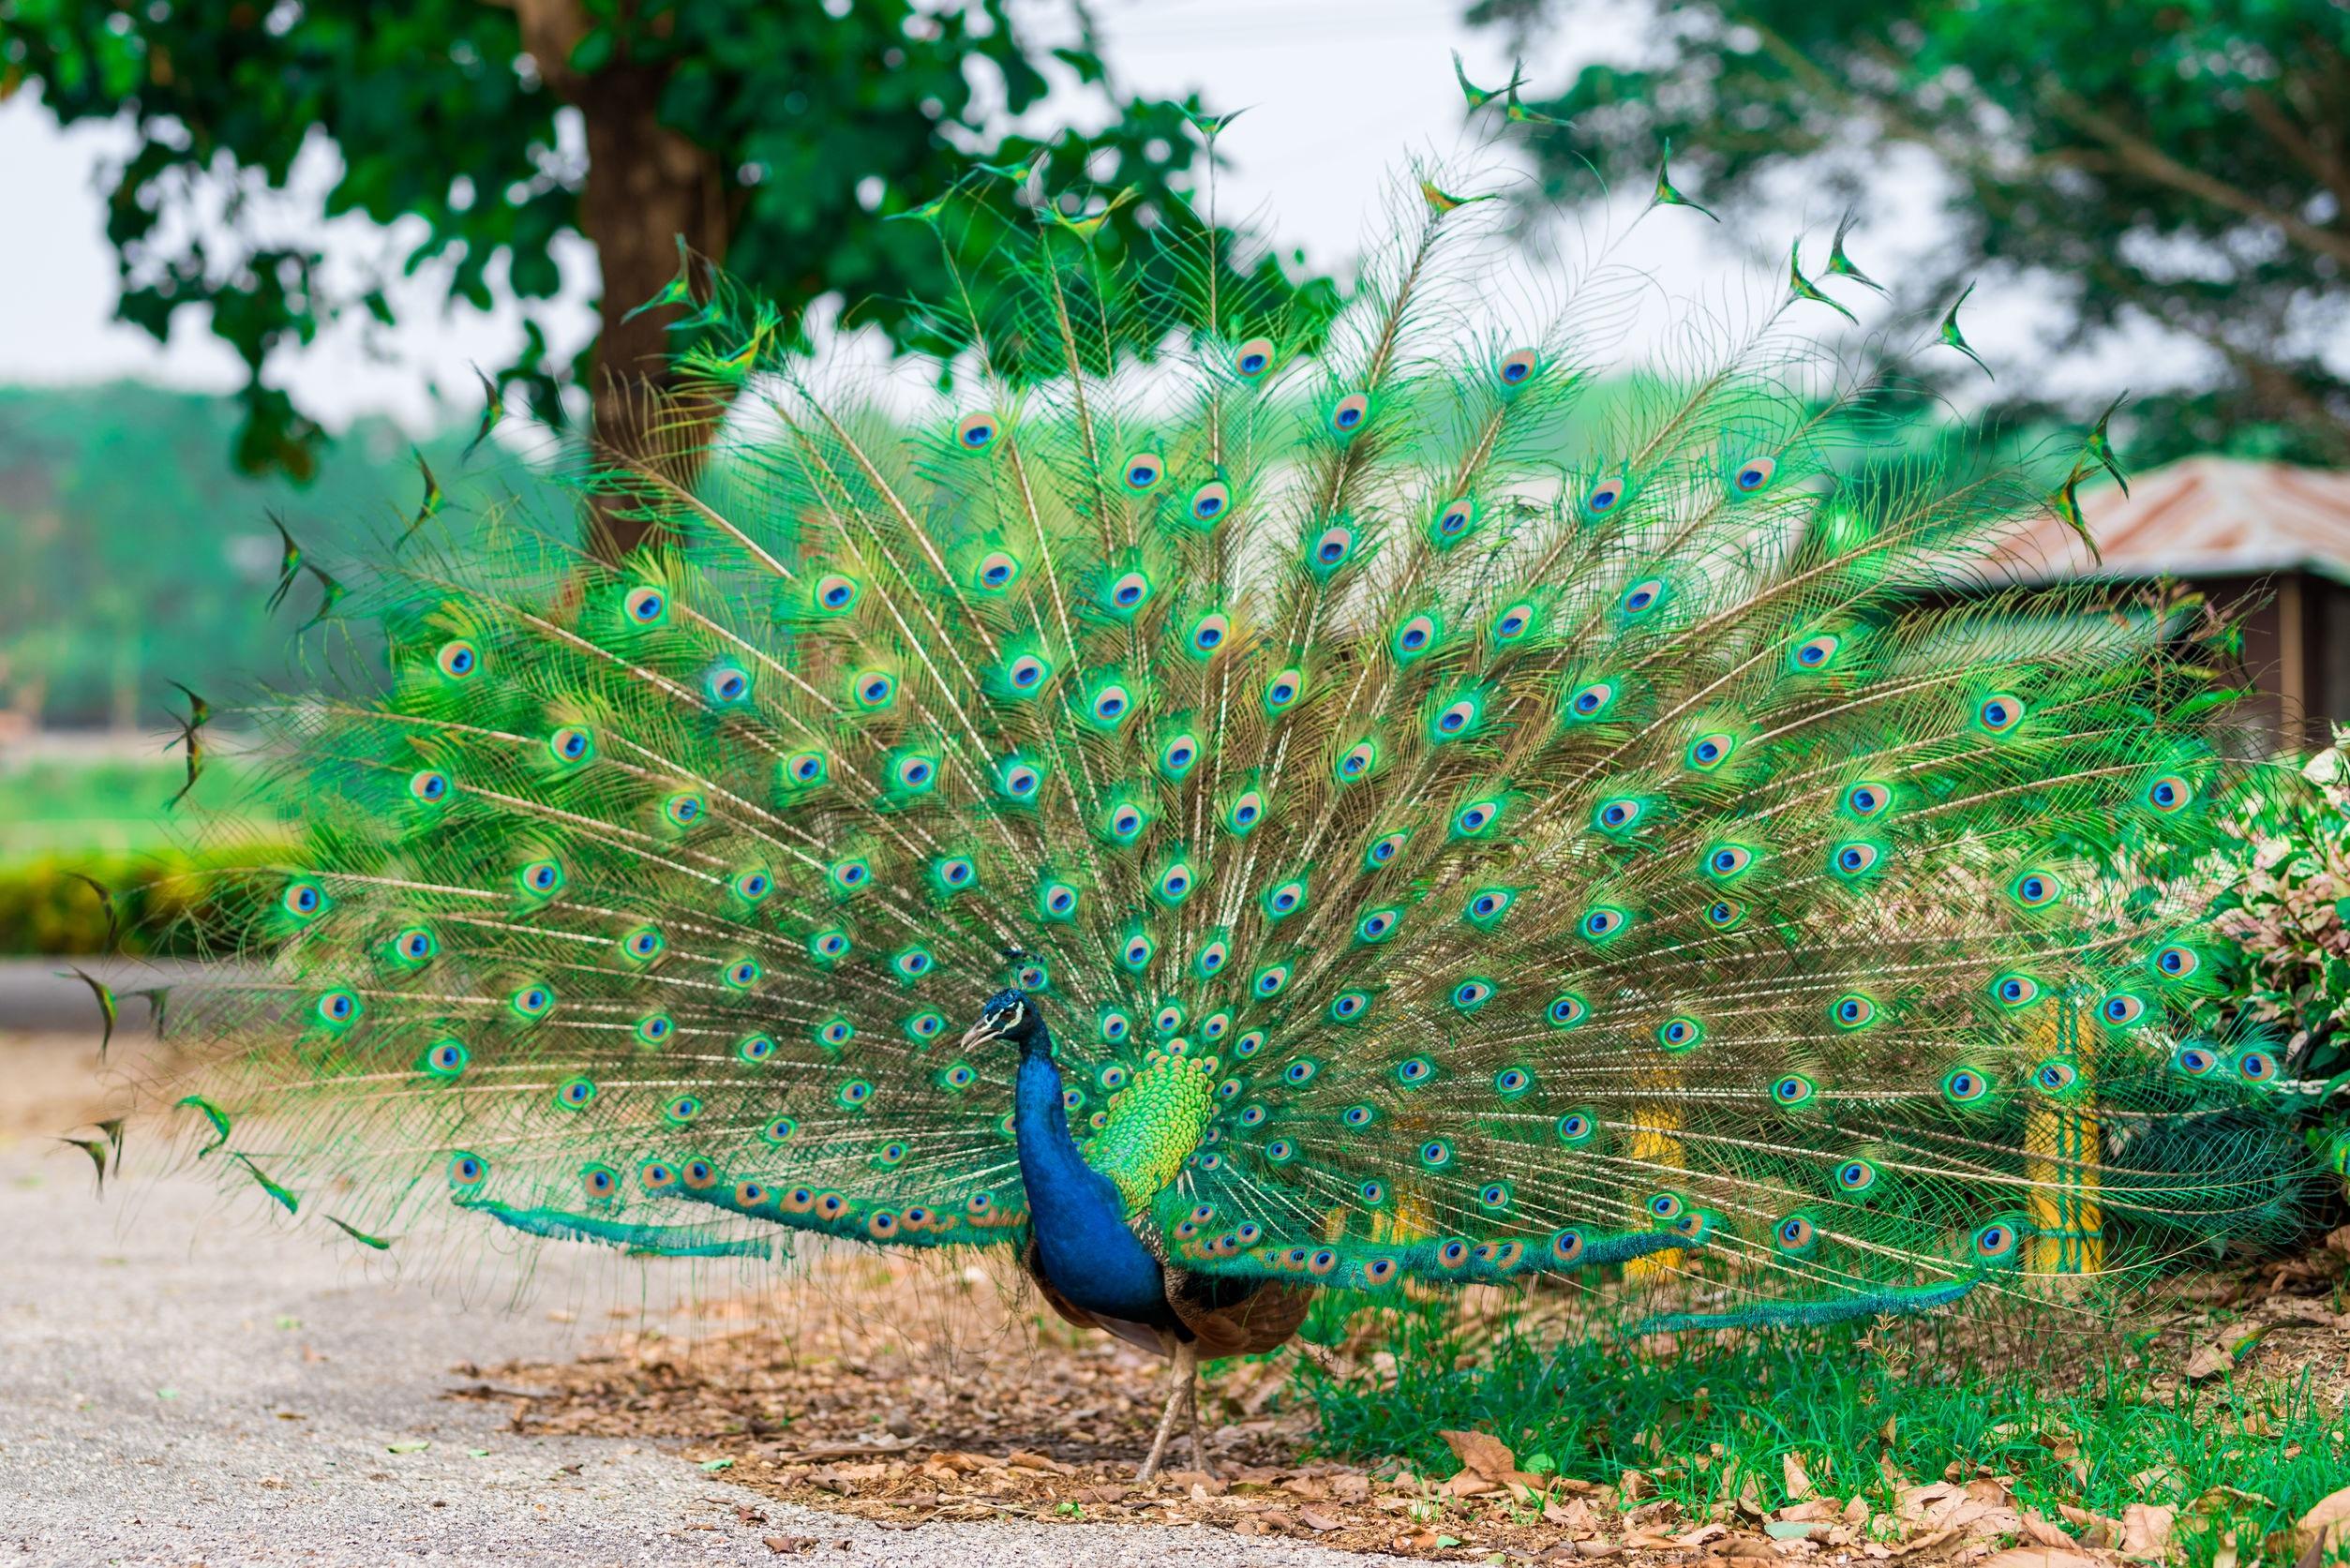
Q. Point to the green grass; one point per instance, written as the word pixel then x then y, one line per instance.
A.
pixel 59 810
pixel 105 819
pixel 1708 1418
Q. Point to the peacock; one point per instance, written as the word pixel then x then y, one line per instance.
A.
pixel 1234 800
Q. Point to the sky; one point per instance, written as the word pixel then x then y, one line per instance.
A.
pixel 1338 93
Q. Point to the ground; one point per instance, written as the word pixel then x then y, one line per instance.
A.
pixel 178 1384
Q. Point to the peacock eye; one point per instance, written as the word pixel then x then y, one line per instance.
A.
pixel 1377 926
pixel 2037 889
pixel 2000 713
pixel 1209 501
pixel 1643 595
pixel 1516 367
pixel 1210 632
pixel 2169 793
pixel 1813 653
pixel 1143 471
pixel 2121 1009
pixel 2255 1066
pixel 1336 543
pixel 1602 497
pixel 997 569
pixel 1867 800
pixel 835 592
pixel 1853 859
pixel 457 660
pixel 1129 591
pixel 1454 521
pixel 1591 700
pixel 1729 859
pixel 646 606
pixel 974 431
pixel 1964 1085
pixel 1708 752
pixel 2177 962
pixel 2055 1076
pixel 1415 635
pixel 1384 849
pixel 1603 921
pixel 2196 1061
pixel 1852 1012
pixel 1753 474
pixel 572 744
pixel 1348 414
pixel 430 787
pixel 1253 358
pixel 1565 1011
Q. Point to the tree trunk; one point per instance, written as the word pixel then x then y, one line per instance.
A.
pixel 647 188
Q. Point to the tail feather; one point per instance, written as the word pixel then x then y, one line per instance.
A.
pixel 1578 820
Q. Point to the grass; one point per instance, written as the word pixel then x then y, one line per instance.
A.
pixel 2096 1425
pixel 105 819
pixel 62 808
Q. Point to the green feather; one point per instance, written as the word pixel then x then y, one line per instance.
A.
pixel 1464 812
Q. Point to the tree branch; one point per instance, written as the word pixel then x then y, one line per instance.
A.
pixel 2143 157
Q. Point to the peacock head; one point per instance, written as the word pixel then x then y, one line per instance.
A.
pixel 1009 1015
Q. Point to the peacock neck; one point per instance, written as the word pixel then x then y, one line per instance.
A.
pixel 1049 1158
pixel 1083 1243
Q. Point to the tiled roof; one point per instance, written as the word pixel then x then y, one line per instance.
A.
pixel 2200 516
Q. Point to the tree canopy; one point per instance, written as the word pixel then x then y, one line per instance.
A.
pixel 767 136
pixel 2184 163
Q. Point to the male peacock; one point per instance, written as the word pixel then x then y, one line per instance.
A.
pixel 1400 803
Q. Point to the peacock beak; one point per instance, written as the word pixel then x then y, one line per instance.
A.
pixel 980 1033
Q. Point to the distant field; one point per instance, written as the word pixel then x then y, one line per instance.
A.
pixel 111 808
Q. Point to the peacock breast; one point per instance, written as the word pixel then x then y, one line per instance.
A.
pixel 1153 1122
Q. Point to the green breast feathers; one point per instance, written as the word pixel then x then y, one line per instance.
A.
pixel 1152 1124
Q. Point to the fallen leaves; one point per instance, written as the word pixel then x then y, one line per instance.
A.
pixel 2325 1528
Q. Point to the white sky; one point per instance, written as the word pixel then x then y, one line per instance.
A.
pixel 1338 93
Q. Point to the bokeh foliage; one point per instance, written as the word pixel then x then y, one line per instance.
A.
pixel 2183 164
pixel 767 136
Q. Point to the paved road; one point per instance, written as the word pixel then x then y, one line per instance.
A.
pixel 237 1401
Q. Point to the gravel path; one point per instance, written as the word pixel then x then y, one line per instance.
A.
pixel 253 1399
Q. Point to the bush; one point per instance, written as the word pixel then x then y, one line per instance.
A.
pixel 170 903
pixel 2287 919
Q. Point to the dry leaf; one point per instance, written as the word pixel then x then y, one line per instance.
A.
pixel 2146 1529
pixel 2039 1556
pixel 2327 1524
pixel 1481 1451
pixel 1316 1521
pixel 2042 1531
pixel 1798 1479
pixel 2224 1352
pixel 779 1544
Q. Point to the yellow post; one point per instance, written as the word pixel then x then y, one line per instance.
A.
pixel 2063 1151
pixel 1652 1140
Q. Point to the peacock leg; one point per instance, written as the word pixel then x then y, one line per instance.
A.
pixel 1199 1439
pixel 1178 1379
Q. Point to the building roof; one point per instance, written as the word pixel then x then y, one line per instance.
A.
pixel 2198 518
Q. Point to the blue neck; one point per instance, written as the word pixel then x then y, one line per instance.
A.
pixel 1084 1244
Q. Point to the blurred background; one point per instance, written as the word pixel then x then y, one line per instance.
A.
pixel 271 256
